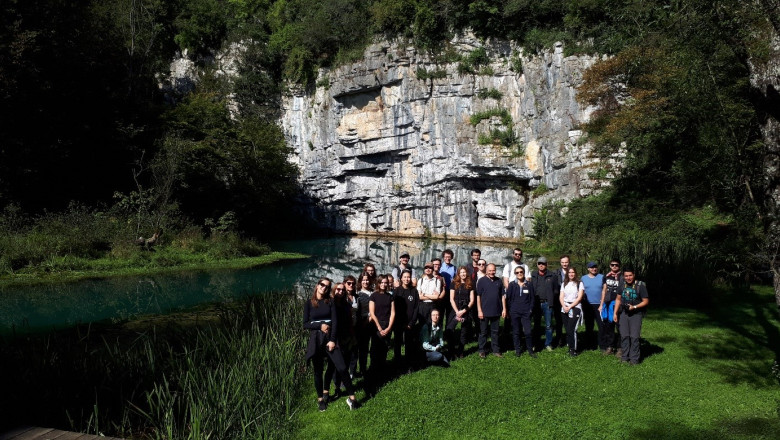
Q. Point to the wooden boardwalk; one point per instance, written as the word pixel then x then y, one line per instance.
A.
pixel 30 433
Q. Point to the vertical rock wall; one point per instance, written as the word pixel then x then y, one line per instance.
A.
pixel 383 151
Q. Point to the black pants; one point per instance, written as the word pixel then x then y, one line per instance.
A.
pixel 492 322
pixel 590 314
pixel 571 328
pixel 380 345
pixel 347 349
pixel 522 323
pixel 466 328
pixel 424 312
pixel 363 332
pixel 409 338
pixel 335 358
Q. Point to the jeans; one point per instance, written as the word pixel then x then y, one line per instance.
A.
pixel 435 356
pixel 547 311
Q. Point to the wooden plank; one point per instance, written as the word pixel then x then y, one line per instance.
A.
pixel 64 435
pixel 33 433
pixel 27 434
pixel 15 433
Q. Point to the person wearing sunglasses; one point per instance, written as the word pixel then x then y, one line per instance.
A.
pixel 520 303
pixel 609 293
pixel 320 317
pixel 546 288
pixel 351 297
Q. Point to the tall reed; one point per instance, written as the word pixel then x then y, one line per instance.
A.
pixel 238 376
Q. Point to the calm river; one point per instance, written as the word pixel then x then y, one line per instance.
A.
pixel 61 305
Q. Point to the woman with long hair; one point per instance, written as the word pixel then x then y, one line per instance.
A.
pixel 320 317
pixel 351 297
pixel 362 324
pixel 462 301
pixel 382 311
pixel 572 291
pixel 345 337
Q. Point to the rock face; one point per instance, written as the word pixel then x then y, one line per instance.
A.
pixel 383 151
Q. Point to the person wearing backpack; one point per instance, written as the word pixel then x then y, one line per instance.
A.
pixel 630 309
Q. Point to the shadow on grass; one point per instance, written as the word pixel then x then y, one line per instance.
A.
pixel 750 322
pixel 751 427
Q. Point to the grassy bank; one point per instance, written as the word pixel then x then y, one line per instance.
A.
pixel 66 269
pixel 707 374
pixel 231 373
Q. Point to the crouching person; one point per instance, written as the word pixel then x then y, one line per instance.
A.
pixel 432 340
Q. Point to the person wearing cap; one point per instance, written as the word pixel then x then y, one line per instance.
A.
pixel 594 284
pixel 630 309
pixel 430 290
pixel 403 264
pixel 609 293
pixel 546 287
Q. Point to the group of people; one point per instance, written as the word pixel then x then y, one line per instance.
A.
pixel 366 316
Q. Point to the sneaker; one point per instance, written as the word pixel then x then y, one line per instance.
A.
pixel 352 403
pixel 572 353
pixel 327 398
pixel 548 348
pixel 323 405
pixel 532 354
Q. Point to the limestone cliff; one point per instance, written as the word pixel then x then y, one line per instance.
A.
pixel 383 151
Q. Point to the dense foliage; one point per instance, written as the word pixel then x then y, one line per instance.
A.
pixel 87 121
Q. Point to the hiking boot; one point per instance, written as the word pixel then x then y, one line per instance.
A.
pixel 352 403
pixel 323 404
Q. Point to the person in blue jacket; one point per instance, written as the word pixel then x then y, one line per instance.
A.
pixel 519 298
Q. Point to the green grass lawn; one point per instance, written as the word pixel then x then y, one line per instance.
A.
pixel 706 374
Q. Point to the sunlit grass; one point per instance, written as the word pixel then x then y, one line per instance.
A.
pixel 706 374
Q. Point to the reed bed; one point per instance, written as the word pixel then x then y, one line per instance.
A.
pixel 234 372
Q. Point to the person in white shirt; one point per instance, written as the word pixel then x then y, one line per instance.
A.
pixel 509 269
pixel 572 291
pixel 430 290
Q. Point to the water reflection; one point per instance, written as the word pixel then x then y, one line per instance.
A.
pixel 61 305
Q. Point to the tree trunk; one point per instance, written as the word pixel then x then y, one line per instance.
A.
pixel 765 78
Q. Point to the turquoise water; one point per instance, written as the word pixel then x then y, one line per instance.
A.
pixel 56 306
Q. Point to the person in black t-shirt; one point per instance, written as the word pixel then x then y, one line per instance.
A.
pixel 462 300
pixel 406 329
pixel 382 315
